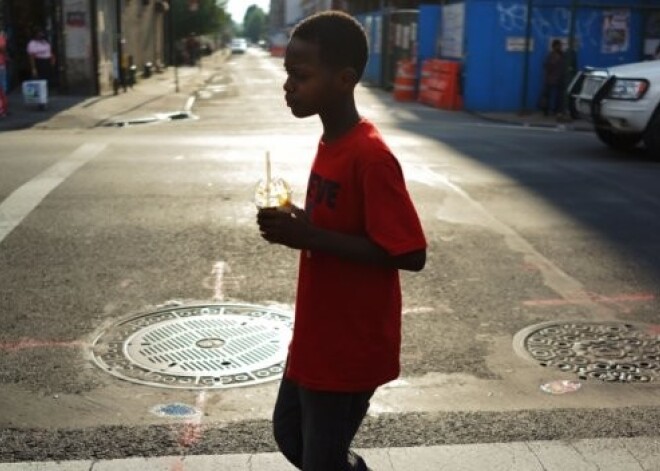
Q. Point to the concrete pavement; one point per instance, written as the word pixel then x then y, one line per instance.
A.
pixel 625 454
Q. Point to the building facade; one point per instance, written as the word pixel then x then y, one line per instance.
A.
pixel 92 39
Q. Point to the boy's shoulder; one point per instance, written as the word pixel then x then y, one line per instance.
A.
pixel 368 144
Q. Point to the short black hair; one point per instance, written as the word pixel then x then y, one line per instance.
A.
pixel 341 39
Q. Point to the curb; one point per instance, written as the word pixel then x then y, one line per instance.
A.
pixel 579 126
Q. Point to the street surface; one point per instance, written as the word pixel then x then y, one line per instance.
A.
pixel 525 226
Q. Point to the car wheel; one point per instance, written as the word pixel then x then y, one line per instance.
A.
pixel 652 136
pixel 618 141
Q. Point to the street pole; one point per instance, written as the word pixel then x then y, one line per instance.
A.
pixel 119 80
pixel 571 54
pixel 173 48
pixel 525 81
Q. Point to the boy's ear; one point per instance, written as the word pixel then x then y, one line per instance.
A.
pixel 348 78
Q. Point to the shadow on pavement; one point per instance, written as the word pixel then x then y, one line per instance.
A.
pixel 614 194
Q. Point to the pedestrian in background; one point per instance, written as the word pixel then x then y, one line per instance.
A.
pixel 42 59
pixel 4 58
pixel 358 229
pixel 554 71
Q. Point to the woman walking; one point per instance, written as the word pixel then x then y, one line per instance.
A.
pixel 41 56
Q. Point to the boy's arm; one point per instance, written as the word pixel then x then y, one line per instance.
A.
pixel 294 230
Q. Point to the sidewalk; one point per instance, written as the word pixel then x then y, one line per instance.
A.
pixel 148 97
pixel 625 454
pixel 536 120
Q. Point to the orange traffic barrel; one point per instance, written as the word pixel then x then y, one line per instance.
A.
pixel 405 81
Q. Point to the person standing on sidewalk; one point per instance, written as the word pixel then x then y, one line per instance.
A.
pixel 358 229
pixel 4 58
pixel 42 59
pixel 554 72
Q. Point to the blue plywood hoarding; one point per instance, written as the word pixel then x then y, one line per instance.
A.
pixel 373 26
pixel 494 65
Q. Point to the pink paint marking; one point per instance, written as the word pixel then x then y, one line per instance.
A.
pixel 27 343
pixel 617 300
pixel 654 329
pixel 192 431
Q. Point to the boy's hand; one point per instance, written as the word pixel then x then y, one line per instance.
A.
pixel 289 226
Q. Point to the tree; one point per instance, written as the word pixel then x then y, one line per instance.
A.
pixel 209 18
pixel 255 23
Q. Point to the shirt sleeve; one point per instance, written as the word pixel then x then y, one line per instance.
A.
pixel 391 219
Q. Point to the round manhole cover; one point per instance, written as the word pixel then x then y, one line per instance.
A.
pixel 197 347
pixel 607 351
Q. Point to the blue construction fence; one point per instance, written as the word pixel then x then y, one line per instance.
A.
pixel 489 38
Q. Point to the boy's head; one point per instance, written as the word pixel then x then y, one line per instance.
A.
pixel 325 59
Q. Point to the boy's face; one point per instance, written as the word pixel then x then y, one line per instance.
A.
pixel 311 87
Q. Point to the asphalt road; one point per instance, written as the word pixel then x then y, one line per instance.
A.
pixel 525 226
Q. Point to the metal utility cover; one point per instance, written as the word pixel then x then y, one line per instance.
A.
pixel 621 352
pixel 197 347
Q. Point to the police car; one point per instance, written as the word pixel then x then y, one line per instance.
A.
pixel 623 102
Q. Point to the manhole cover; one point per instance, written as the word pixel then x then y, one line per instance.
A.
pixel 607 351
pixel 197 347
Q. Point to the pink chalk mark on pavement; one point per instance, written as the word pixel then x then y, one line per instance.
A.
pixel 191 432
pixel 617 300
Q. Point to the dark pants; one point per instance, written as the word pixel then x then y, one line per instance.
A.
pixel 314 429
pixel 552 98
pixel 44 69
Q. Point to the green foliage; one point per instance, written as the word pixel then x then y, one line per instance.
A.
pixel 255 23
pixel 210 18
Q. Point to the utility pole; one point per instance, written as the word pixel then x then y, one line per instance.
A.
pixel 528 42
pixel 120 46
pixel 173 48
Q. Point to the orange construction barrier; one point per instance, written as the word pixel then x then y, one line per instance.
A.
pixel 439 84
pixel 405 81
pixel 277 51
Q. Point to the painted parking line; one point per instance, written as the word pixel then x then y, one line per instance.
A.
pixel 23 200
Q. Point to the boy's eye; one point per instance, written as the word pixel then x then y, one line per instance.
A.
pixel 297 75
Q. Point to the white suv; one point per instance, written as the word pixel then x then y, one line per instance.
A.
pixel 623 102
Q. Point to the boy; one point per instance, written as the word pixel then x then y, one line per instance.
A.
pixel 359 227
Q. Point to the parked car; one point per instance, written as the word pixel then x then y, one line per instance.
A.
pixel 239 46
pixel 623 102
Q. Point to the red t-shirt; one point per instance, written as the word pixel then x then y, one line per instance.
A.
pixel 347 330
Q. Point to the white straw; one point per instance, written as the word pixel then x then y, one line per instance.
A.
pixel 267 178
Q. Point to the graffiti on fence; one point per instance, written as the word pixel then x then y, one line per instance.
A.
pixel 548 22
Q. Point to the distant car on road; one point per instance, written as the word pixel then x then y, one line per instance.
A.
pixel 623 102
pixel 239 46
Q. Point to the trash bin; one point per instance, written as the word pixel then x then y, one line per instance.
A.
pixel 35 92
pixel 148 67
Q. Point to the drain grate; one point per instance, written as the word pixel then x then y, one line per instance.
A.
pixel 606 351
pixel 197 347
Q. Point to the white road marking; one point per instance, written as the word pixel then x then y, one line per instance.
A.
pixel 27 197
pixel 218 287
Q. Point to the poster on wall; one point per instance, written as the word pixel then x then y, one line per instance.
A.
pixel 78 43
pixel 378 37
pixel 616 31
pixel 652 40
pixel 453 28
pixel 368 30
